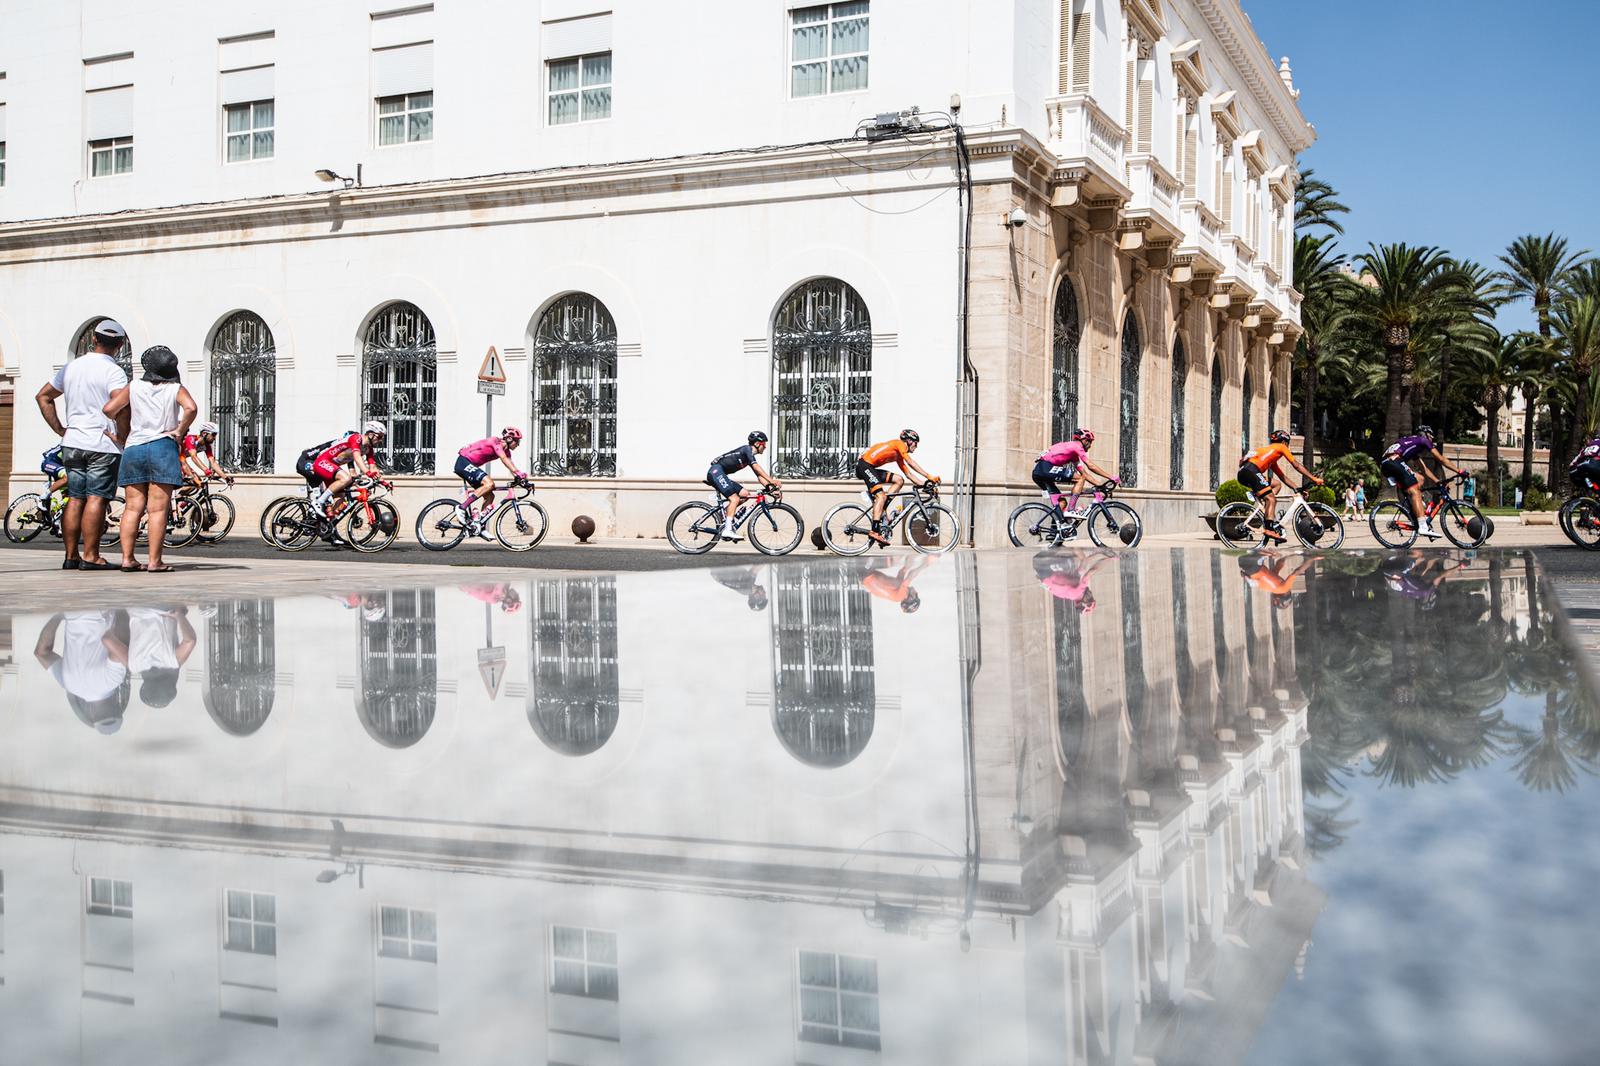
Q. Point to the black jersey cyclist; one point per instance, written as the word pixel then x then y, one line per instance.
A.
pixel 731 463
pixel 1585 468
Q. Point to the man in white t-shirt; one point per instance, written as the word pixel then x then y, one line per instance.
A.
pixel 89 446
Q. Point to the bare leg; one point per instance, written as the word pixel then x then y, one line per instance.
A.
pixel 483 495
pixel 130 522
pixel 156 509
pixel 71 522
pixel 889 488
pixel 91 528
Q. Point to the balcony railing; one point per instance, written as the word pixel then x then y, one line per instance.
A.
pixel 1081 132
pixel 1155 194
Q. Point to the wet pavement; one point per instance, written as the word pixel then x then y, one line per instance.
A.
pixel 1169 806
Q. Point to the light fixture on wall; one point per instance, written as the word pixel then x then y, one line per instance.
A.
pixel 324 174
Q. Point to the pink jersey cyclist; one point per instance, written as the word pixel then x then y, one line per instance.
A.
pixel 472 464
pixel 1065 461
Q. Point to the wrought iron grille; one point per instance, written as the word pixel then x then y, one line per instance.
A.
pixel 1272 404
pixel 574 702
pixel 244 393
pixel 399 366
pixel 1066 335
pixel 1216 420
pixel 399 690
pixel 824 691
pixel 1128 420
pixel 822 380
pixel 1072 706
pixel 1244 419
pixel 575 389
pixel 1134 690
pixel 1180 383
pixel 85 344
pixel 241 665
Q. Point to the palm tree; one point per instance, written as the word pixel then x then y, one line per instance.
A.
pixel 1482 286
pixel 1315 204
pixel 1577 326
pixel 1488 371
pixel 1535 267
pixel 1322 315
pixel 1582 280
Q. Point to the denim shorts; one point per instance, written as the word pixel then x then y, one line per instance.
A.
pixel 152 463
pixel 90 473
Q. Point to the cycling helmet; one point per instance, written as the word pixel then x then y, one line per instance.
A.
pixel 910 436
pixel 1084 437
pixel 912 601
pixel 207 427
pixel 373 613
pixel 512 436
pixel 1279 436
pixel 377 427
pixel 1086 604
pixel 757 437
pixel 1427 431
pixel 510 602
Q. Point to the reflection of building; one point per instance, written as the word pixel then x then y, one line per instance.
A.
pixel 573 695
pixel 398 692
pixel 241 675
pixel 823 685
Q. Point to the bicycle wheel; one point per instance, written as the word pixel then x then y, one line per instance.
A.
pixel 113 532
pixel 26 518
pixel 1392 525
pixel 1242 525
pixel 1564 518
pixel 1319 526
pixel 694 527
pixel 1463 524
pixel 932 529
pixel 776 529
pixel 1583 523
pixel 1034 525
pixel 294 527
pixel 1115 525
pixel 375 534
pixel 440 525
pixel 214 519
pixel 183 524
pixel 521 525
pixel 845 528
pixel 269 512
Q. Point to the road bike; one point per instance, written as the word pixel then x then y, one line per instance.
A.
pixel 774 527
pixel 1394 526
pixel 270 511
pixel 931 527
pixel 519 523
pixel 200 513
pixel 33 513
pixel 1111 523
pixel 1315 525
pixel 1579 517
pixel 366 522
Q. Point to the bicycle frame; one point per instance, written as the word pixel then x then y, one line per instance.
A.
pixel 912 498
pixel 743 515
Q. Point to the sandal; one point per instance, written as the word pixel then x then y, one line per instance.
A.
pixel 162 569
pixel 136 568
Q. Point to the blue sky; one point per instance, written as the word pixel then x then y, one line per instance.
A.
pixel 1459 123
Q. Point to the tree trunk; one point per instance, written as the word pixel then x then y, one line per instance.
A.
pixel 1532 396
pixel 1492 442
pixel 1308 410
pixel 1441 422
pixel 1574 438
pixel 1397 417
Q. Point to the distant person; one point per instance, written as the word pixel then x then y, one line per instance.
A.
pixel 1349 502
pixel 1469 489
pixel 96 684
pixel 89 449
pixel 1361 498
pixel 154 415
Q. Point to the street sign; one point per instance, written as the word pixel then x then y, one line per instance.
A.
pixel 491 388
pixel 492 369
pixel 492 669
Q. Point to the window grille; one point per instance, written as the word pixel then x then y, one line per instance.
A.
pixel 241 665
pixel 244 393
pixel 822 370
pixel 824 695
pixel 1180 382
pixel 399 687
pixel 575 389
pixel 1066 338
pixel 399 365
pixel 574 702
pixel 1128 418
pixel 1216 420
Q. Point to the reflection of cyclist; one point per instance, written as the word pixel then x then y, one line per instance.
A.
pixel 472 464
pixel 499 594
pixel 1265 570
pixel 1254 471
pixel 370 604
pixel 881 485
pixel 1066 461
pixel 1395 467
pixel 717 476
pixel 1065 574
pixel 1416 576
pixel 744 581
pixel 897 588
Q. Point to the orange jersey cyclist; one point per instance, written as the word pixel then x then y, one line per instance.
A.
pixel 882 484
pixel 1258 470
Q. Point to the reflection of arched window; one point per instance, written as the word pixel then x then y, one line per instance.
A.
pixel 244 392
pixel 824 692
pixel 1244 421
pixel 573 701
pixel 822 379
pixel 399 368
pixel 1072 707
pixel 1180 382
pixel 241 665
pixel 1216 420
pixel 399 688
pixel 85 344
pixel 1128 415
pixel 575 389
pixel 1133 681
pixel 1066 334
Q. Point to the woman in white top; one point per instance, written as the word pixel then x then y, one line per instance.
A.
pixel 152 415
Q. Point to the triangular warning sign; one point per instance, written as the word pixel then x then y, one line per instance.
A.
pixel 492 369
pixel 493 671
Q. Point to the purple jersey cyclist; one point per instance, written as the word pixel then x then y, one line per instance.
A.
pixel 472 464
pixel 1585 468
pixel 1396 466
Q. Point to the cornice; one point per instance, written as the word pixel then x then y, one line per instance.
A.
pixel 1248 55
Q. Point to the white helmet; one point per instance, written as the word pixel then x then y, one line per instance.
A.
pixel 377 427
pixel 373 613
pixel 207 427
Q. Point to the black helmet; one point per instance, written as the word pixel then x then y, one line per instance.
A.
pixel 910 436
pixel 1279 436
pixel 757 437
pixel 1427 431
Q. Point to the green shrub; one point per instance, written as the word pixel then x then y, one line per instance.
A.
pixel 1536 483
pixel 1351 467
pixel 1230 491
pixel 1321 494
pixel 1537 500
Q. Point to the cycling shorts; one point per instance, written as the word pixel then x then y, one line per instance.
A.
pixel 51 470
pixel 871 476
pixel 326 470
pixel 718 479
pixel 1586 475
pixel 1398 472
pixel 1045 475
pixel 469 471
pixel 1254 479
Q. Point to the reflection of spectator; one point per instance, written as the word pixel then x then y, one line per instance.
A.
pixel 95 684
pixel 897 589
pixel 499 594
pixel 1065 574
pixel 160 641
pixel 742 579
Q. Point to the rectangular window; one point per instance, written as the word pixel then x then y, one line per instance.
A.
pixel 111 898
pixel 579 89
pixel 407 934
pixel 2 139
pixel 828 48
pixel 839 1000
pixel 252 922
pixel 248 129
pixel 2 896
pixel 404 119
pixel 583 962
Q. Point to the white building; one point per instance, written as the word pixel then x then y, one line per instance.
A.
pixel 661 217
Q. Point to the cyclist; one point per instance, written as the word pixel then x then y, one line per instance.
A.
pixel 471 462
pixel 1395 466
pixel 1067 460
pixel 497 593
pixel 1264 570
pixel 358 450
pixel 881 485
pixel 1065 574
pixel 731 463
pixel 746 581
pixel 199 460
pixel 51 467
pixel 305 462
pixel 897 589
pixel 1253 475
pixel 1585 468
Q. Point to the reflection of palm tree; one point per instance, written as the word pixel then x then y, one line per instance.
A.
pixel 1325 829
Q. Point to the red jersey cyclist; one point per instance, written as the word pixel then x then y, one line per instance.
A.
pixel 1068 460
pixel 197 451
pixel 472 464
pixel 358 451
pixel 882 485
pixel 1259 472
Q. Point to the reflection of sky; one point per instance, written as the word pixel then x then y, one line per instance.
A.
pixel 1460 926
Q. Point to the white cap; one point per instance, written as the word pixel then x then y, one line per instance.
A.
pixel 110 327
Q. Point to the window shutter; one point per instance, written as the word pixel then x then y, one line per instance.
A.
pixel 110 113
pixel 1147 95
pixel 1225 198
pixel 244 86
pixel 408 69
pixel 1191 148
pixel 1127 103
pixel 2 122
pixel 1082 24
pixel 1064 71
pixel 577 37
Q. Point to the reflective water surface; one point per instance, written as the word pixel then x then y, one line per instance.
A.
pixel 1165 807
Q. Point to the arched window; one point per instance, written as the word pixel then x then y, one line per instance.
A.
pixel 1247 395
pixel 1180 383
pixel 1272 401
pixel 824 690
pixel 1216 419
pixel 85 344
pixel 822 380
pixel 574 702
pixel 399 366
pixel 244 393
pixel 575 389
pixel 1066 334
pixel 1128 416
pixel 399 689
pixel 241 665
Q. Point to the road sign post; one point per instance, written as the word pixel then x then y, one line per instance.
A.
pixel 491 383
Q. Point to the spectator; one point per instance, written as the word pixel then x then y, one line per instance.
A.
pixel 1361 498
pixel 154 414
pixel 160 640
pixel 1469 489
pixel 96 683
pixel 89 450
pixel 1349 502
